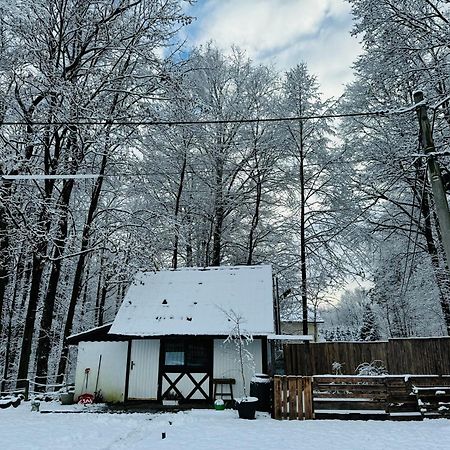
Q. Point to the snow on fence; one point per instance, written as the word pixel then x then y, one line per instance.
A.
pixel 348 397
pixel 419 356
pixel 293 397
pixel 351 397
pixel 28 387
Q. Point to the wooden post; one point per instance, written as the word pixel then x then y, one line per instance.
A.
pixel 434 173
pixel 309 408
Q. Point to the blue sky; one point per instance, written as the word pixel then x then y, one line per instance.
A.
pixel 283 33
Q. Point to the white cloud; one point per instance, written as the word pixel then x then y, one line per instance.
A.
pixel 258 25
pixel 284 32
pixel 329 55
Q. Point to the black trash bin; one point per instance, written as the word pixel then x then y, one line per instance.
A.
pixel 260 388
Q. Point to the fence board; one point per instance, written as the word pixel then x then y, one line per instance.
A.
pixel 300 415
pixel 285 403
pixel 277 397
pixel 416 356
pixel 292 384
pixel 308 397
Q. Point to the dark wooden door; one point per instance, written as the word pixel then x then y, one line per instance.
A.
pixel 186 366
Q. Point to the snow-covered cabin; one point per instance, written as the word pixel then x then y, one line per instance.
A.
pixel 169 333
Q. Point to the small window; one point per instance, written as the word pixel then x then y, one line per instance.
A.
pixel 193 354
pixel 197 354
pixel 174 354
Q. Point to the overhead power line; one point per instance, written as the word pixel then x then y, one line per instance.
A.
pixel 50 177
pixel 158 122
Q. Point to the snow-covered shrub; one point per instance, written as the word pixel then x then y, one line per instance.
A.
pixel 336 368
pixel 375 367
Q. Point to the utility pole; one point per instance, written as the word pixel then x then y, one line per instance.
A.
pixel 434 173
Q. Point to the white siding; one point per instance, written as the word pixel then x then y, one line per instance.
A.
pixel 143 383
pixel 111 378
pixel 226 364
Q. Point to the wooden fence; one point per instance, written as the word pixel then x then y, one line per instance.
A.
pixel 361 397
pixel 421 356
pixel 293 397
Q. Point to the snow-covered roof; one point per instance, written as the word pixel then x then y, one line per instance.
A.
pixel 290 337
pixel 310 320
pixel 293 312
pixel 195 301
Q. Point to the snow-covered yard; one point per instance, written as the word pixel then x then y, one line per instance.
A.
pixel 209 430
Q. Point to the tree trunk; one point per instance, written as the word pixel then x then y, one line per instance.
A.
pixel 177 211
pixel 20 274
pixel 100 283
pixel 440 273
pixel 255 221
pixel 77 287
pixel 302 236
pixel 5 259
pixel 101 305
pixel 189 250
pixel 44 343
pixel 85 290
pixel 37 270
pixel 219 214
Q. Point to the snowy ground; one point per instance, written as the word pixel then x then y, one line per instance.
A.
pixel 209 430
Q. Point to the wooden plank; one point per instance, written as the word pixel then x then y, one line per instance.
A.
pixel 292 385
pixel 277 397
pixel 429 381
pixel 350 387
pixel 294 364
pixel 350 395
pixel 300 414
pixel 288 350
pixel 338 405
pixel 284 406
pixel 308 398
pixel 351 416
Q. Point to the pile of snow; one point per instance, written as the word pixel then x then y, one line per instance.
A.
pixel 209 430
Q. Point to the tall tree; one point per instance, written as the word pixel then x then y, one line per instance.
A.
pixel 404 50
pixel 69 61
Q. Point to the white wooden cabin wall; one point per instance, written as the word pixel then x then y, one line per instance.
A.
pixel 226 364
pixel 111 379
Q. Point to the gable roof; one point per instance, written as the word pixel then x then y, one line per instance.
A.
pixel 194 301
